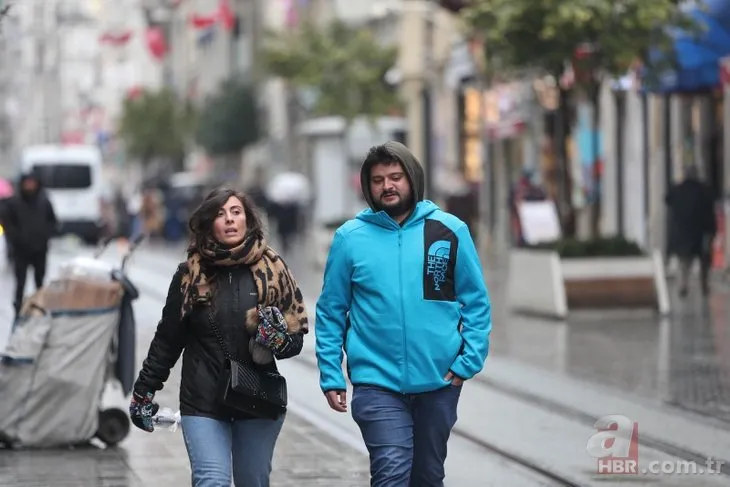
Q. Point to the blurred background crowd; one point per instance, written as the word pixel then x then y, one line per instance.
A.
pixel 537 103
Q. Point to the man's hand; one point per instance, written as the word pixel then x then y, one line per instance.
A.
pixel 337 400
pixel 455 381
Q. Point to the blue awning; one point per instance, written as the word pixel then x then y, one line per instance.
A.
pixel 719 9
pixel 697 55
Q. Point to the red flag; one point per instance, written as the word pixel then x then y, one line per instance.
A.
pixel 226 15
pixel 135 92
pixel 115 39
pixel 156 42
pixel 202 21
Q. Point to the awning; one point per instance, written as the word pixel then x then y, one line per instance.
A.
pixel 697 55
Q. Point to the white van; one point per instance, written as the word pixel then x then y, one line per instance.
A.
pixel 72 177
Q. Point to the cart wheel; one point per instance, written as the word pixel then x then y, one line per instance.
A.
pixel 113 426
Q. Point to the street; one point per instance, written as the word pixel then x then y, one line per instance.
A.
pixel 524 421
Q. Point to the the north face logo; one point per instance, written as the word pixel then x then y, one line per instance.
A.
pixel 440 250
pixel 438 260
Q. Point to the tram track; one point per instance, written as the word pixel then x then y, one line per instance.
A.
pixel 588 419
pixel 553 477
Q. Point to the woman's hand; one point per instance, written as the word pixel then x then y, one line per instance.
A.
pixel 142 409
pixel 271 332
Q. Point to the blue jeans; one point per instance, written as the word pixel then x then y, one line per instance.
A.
pixel 405 434
pixel 216 448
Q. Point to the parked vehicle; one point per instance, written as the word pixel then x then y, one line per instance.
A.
pixel 72 176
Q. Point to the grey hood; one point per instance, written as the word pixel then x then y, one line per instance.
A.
pixel 411 166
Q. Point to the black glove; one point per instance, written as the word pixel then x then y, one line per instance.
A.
pixel 142 409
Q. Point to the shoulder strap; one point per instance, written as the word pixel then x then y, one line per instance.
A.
pixel 219 337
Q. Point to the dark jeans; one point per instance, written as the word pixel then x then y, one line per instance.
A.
pixel 406 435
pixel 22 262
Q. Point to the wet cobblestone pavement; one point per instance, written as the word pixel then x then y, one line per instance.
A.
pixel 303 457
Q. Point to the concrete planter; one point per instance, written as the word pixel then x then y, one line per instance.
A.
pixel 541 282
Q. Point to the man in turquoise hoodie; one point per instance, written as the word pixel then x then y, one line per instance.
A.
pixel 404 297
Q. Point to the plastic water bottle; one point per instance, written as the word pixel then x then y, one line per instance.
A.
pixel 167 417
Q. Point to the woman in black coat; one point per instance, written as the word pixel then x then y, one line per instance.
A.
pixel 234 297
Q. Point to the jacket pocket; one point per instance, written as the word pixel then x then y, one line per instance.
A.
pixel 432 349
pixel 375 348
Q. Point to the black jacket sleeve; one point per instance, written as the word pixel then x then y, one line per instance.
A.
pixel 168 343
pixel 10 220
pixel 51 215
pixel 293 348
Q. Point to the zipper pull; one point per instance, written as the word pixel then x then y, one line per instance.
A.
pixel 230 277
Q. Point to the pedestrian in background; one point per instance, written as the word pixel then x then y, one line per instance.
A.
pixel 233 298
pixel 692 227
pixel 30 222
pixel 405 297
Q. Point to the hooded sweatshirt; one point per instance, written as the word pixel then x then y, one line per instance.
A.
pixel 407 302
pixel 411 166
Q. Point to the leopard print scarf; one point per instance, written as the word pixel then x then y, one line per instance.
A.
pixel 275 284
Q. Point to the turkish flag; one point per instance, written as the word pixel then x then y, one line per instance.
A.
pixel 116 39
pixel 202 21
pixel 156 42
pixel 226 15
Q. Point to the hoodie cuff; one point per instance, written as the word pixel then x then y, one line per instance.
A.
pixel 460 370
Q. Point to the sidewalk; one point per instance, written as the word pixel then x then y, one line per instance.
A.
pixel 304 458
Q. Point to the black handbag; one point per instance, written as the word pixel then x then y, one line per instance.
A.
pixel 249 389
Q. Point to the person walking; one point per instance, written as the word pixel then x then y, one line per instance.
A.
pixel 232 304
pixel 405 298
pixel 30 222
pixel 692 227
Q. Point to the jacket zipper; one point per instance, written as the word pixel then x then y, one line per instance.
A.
pixel 402 308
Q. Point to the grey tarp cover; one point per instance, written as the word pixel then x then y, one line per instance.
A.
pixel 50 390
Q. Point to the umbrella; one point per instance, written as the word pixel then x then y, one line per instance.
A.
pixel 288 187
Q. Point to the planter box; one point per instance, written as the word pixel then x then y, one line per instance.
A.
pixel 541 282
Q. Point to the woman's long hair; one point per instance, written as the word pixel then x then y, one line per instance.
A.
pixel 201 221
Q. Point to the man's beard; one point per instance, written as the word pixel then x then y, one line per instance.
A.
pixel 401 208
